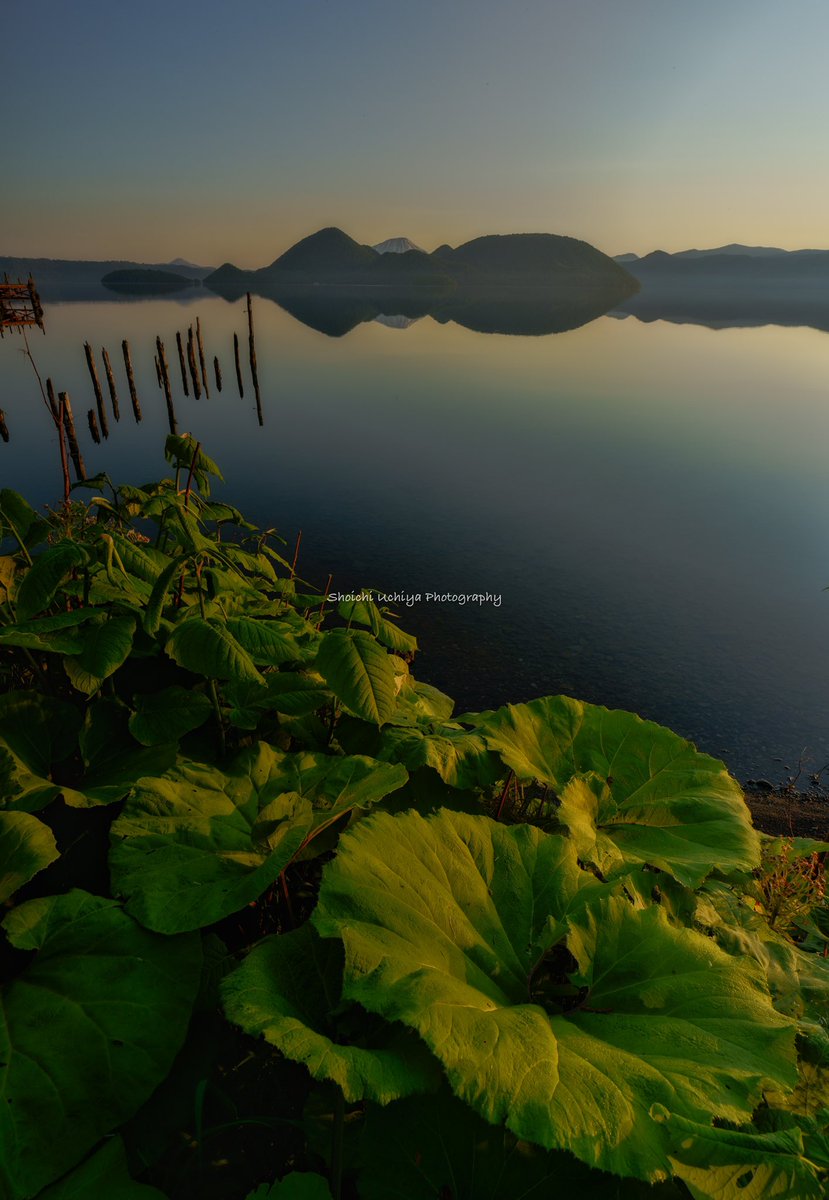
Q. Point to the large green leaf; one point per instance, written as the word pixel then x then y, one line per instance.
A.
pixel 431 1147
pixel 359 672
pixel 298 1185
pixel 665 803
pixel 268 642
pixel 167 715
pixel 103 1176
pixel 105 648
pixel 26 847
pixel 290 692
pixel 729 1164
pixel 201 843
pixel 455 925
pixel 459 756
pixel 89 1029
pixel 112 760
pixel 60 634
pixel 35 732
pixel 37 588
pixel 287 991
pixel 207 648
pixel 20 520
pixel 366 612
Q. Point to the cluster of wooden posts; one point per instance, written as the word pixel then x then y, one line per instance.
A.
pixel 194 372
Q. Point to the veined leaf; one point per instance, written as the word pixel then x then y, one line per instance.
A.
pixel 268 642
pixel 38 586
pixel 288 692
pixel 112 760
pixel 89 1029
pixel 729 1164
pixel 104 1174
pixel 460 756
pixel 298 1185
pixel 665 803
pixel 208 648
pixel 26 847
pixel 286 991
pixel 359 673
pixel 35 732
pixel 167 715
pixel 200 843
pixel 105 648
pixel 20 519
pixel 451 925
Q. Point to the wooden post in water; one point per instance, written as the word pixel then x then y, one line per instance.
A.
pixel 113 395
pixel 4 429
pixel 218 372
pixel 191 358
pixel 252 352
pixel 238 367
pixel 64 462
pixel 165 376
pixel 182 364
pixel 93 427
pixel 53 404
pixel 71 435
pixel 200 345
pixel 136 407
pixel 157 371
pixel 99 398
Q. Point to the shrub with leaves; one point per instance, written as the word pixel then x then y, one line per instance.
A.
pixel 280 924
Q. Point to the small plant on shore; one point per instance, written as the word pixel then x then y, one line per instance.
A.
pixel 265 890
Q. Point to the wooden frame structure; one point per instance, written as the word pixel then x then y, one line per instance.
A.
pixel 19 305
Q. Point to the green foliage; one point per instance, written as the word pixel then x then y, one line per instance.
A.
pixel 607 991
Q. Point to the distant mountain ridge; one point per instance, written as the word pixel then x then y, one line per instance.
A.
pixel 396 245
pixel 330 258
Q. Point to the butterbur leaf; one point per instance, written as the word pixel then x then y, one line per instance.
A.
pixel 730 1164
pixel 664 800
pixel 286 991
pixel 289 692
pixel 103 1175
pixel 459 756
pixel 89 1029
pixel 359 672
pixel 37 589
pixel 269 643
pixel 105 647
pixel 191 847
pixel 463 929
pixel 35 733
pixel 298 1185
pixel 26 847
pixel 112 760
pixel 207 648
pixel 433 1146
pixel 20 520
pixel 167 715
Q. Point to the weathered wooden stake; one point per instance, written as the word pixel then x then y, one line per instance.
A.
pixel 113 395
pixel 252 352
pixel 64 462
pixel 157 371
pixel 93 426
pixel 218 372
pixel 99 398
pixel 71 435
pixel 191 358
pixel 200 345
pixel 4 429
pixel 165 376
pixel 136 407
pixel 238 367
pixel 182 364
pixel 53 403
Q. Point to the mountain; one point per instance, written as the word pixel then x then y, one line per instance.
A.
pixel 625 258
pixel 331 259
pixel 80 279
pixel 743 269
pixel 396 245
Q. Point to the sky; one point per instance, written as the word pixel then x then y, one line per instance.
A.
pixel 221 132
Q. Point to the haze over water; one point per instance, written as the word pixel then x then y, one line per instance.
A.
pixel 650 500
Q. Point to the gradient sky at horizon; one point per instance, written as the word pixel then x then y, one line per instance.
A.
pixel 148 131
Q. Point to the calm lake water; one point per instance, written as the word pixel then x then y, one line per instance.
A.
pixel 651 501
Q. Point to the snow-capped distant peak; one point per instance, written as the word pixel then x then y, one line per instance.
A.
pixel 398 245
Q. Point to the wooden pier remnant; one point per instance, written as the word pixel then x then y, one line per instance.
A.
pixel 165 378
pixel 191 358
pixel 238 366
pixel 113 395
pixel 93 427
pixel 96 384
pixel 4 429
pixel 19 305
pixel 157 370
pixel 200 345
pixel 53 402
pixel 64 461
pixel 65 406
pixel 136 407
pixel 218 372
pixel 182 364
pixel 252 354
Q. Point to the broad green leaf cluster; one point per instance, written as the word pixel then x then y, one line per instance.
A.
pixel 280 924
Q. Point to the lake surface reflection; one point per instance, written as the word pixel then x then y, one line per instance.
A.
pixel 650 500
